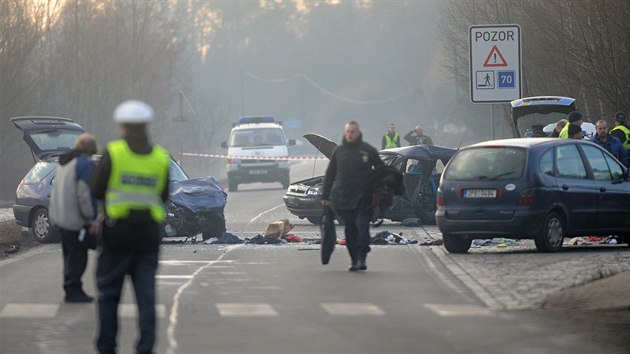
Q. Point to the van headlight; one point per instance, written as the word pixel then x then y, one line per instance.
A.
pixel 314 191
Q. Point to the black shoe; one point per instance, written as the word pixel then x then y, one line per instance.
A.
pixel 353 268
pixel 79 297
pixel 362 265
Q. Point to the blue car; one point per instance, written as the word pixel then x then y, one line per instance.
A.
pixel 195 206
pixel 543 189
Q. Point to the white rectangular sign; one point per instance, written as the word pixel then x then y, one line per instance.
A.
pixel 495 63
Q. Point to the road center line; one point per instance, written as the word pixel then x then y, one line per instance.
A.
pixel 172 321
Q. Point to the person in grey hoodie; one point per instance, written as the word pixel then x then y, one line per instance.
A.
pixel 73 211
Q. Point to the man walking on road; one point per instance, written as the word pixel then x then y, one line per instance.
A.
pixel 416 137
pixel 346 190
pixel 132 180
pixel 73 212
pixel 390 138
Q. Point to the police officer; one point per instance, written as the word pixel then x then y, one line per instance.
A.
pixel 132 181
pixel 621 131
pixel 574 118
pixel 390 138
pixel 346 189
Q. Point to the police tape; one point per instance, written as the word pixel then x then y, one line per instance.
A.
pixel 275 158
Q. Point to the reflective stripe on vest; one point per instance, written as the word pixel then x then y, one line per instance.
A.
pixel 136 181
pixel 389 143
pixel 626 133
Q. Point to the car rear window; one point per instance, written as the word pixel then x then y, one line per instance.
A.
pixel 487 163
pixel 38 172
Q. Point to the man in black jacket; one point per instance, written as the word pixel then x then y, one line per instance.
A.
pixel 346 190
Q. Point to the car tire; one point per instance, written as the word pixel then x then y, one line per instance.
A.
pixel 41 228
pixel 456 244
pixel 216 228
pixel 316 220
pixel 551 234
pixel 232 185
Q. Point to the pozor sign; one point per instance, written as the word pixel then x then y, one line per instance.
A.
pixel 495 63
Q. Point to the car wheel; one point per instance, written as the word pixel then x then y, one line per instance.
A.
pixel 41 229
pixel 216 227
pixel 551 235
pixel 314 219
pixel 456 244
pixel 232 186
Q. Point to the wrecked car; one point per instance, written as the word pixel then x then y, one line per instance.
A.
pixel 195 206
pixel 421 166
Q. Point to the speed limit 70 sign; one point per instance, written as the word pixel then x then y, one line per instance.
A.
pixel 495 63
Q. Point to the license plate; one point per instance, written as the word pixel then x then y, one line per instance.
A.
pixel 480 193
pixel 257 172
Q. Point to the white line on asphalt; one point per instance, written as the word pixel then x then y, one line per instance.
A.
pixel 172 323
pixel 29 311
pixel 32 252
pixel 451 310
pixel 173 276
pixel 263 213
pixel 238 309
pixel 352 309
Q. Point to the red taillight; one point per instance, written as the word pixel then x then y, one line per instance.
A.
pixel 440 198
pixel 526 197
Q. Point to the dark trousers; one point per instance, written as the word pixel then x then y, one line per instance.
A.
pixel 112 267
pixel 357 232
pixel 75 258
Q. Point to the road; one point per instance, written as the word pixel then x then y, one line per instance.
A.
pixel 280 299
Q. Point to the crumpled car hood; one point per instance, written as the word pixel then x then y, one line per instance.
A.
pixel 198 194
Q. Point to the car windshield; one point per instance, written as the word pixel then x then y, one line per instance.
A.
pixel 257 137
pixel 176 173
pixel 55 139
pixel 487 163
pixel 39 172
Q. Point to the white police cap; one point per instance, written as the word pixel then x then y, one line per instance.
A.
pixel 134 112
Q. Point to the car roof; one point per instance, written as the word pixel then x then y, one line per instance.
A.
pixel 527 142
pixel 422 152
pixel 543 100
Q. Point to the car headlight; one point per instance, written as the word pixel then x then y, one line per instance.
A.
pixel 314 191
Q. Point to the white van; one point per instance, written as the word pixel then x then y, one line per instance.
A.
pixel 262 138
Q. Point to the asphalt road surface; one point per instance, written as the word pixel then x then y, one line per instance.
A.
pixel 280 299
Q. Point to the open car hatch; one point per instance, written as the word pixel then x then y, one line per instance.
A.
pixel 48 136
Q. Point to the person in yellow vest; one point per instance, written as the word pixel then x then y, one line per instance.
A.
pixel 390 138
pixel 621 131
pixel 131 180
pixel 574 118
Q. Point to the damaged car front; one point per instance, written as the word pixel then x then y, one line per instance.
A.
pixel 195 206
pixel 421 166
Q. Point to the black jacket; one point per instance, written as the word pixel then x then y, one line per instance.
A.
pixel 417 139
pixel 348 173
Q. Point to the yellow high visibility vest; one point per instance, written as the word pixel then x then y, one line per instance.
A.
pixel 389 143
pixel 626 133
pixel 136 181
pixel 564 133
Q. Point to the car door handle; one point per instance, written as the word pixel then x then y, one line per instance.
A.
pixel 565 187
pixel 602 189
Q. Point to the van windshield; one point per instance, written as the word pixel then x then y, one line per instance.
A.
pixel 257 137
pixel 487 163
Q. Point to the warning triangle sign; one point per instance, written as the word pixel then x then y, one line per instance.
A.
pixel 495 58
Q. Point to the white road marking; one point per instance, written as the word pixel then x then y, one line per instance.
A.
pixel 170 330
pixel 177 262
pixel 173 277
pixel 352 309
pixel 451 310
pixel 131 311
pixel 32 252
pixel 263 213
pixel 29 311
pixel 235 309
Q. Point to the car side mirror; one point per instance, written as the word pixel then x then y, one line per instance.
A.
pixel 291 142
pixel 224 144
